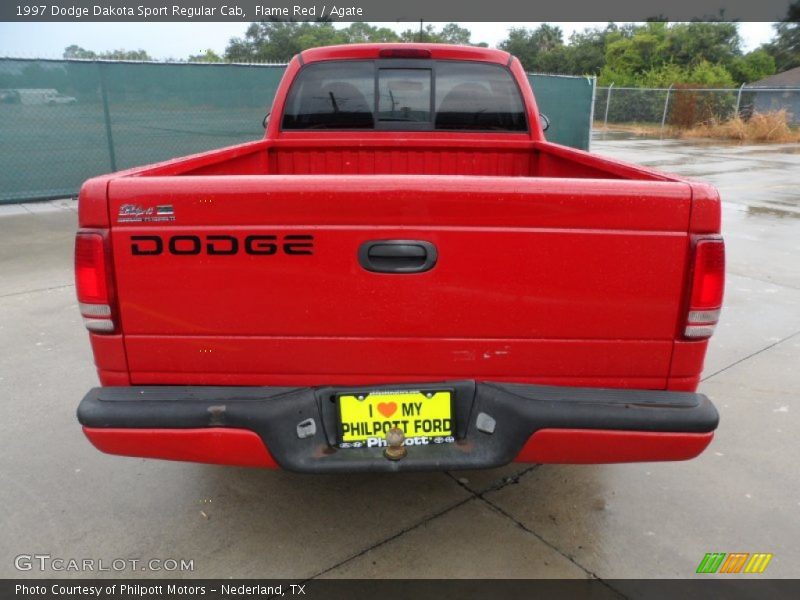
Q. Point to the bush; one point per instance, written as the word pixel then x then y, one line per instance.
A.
pixel 688 108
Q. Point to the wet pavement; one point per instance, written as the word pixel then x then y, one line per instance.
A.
pixel 61 497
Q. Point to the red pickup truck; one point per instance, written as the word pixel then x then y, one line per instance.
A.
pixel 402 275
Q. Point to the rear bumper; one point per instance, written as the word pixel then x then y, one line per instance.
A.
pixel 495 424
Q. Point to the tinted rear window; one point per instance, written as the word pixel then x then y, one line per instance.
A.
pixel 404 95
pixel 332 95
pixel 417 95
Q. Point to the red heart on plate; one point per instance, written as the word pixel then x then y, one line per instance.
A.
pixel 387 409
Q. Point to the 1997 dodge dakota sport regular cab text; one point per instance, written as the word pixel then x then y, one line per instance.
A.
pixel 402 275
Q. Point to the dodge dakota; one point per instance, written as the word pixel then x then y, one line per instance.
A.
pixel 403 274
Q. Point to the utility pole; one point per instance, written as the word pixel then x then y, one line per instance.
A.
pixel 420 31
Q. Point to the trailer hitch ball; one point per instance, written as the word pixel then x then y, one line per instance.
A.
pixel 395 450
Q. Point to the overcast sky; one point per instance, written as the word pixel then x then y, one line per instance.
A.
pixel 179 40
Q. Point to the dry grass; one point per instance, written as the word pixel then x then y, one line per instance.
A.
pixel 769 127
pixel 645 129
pixel 761 127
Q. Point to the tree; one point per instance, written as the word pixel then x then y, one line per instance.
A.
pixel 360 32
pixel 453 34
pixel 450 34
pixel 126 55
pixel 540 49
pixel 586 52
pixel 753 66
pixel 278 41
pixel 208 56
pixel 707 74
pixel 693 43
pixel 785 48
pixel 655 53
pixel 75 51
pixel 637 54
pixel 652 51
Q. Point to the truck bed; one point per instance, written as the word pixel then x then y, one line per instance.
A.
pixel 348 154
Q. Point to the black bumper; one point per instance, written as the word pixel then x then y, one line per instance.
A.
pixel 516 412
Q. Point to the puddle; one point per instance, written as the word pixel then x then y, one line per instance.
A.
pixel 793 203
pixel 777 149
pixel 612 135
pixel 601 135
pixel 781 213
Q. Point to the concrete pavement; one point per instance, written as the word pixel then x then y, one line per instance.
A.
pixel 61 497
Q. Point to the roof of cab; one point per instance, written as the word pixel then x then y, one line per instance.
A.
pixel 438 51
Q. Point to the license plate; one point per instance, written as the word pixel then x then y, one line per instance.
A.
pixel 423 416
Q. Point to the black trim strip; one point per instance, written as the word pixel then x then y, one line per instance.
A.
pixel 518 411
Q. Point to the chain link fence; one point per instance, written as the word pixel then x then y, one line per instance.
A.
pixel 63 121
pixel 685 106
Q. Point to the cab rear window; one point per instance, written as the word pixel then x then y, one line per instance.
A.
pixel 405 95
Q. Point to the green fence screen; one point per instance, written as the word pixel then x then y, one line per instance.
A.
pixel 62 122
pixel 568 103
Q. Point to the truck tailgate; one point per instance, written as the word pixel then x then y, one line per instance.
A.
pixel 564 281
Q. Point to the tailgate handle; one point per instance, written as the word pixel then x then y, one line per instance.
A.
pixel 397 256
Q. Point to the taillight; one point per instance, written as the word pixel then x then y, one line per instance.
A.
pixel 708 286
pixel 92 282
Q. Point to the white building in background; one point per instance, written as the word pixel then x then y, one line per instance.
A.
pixel 43 96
